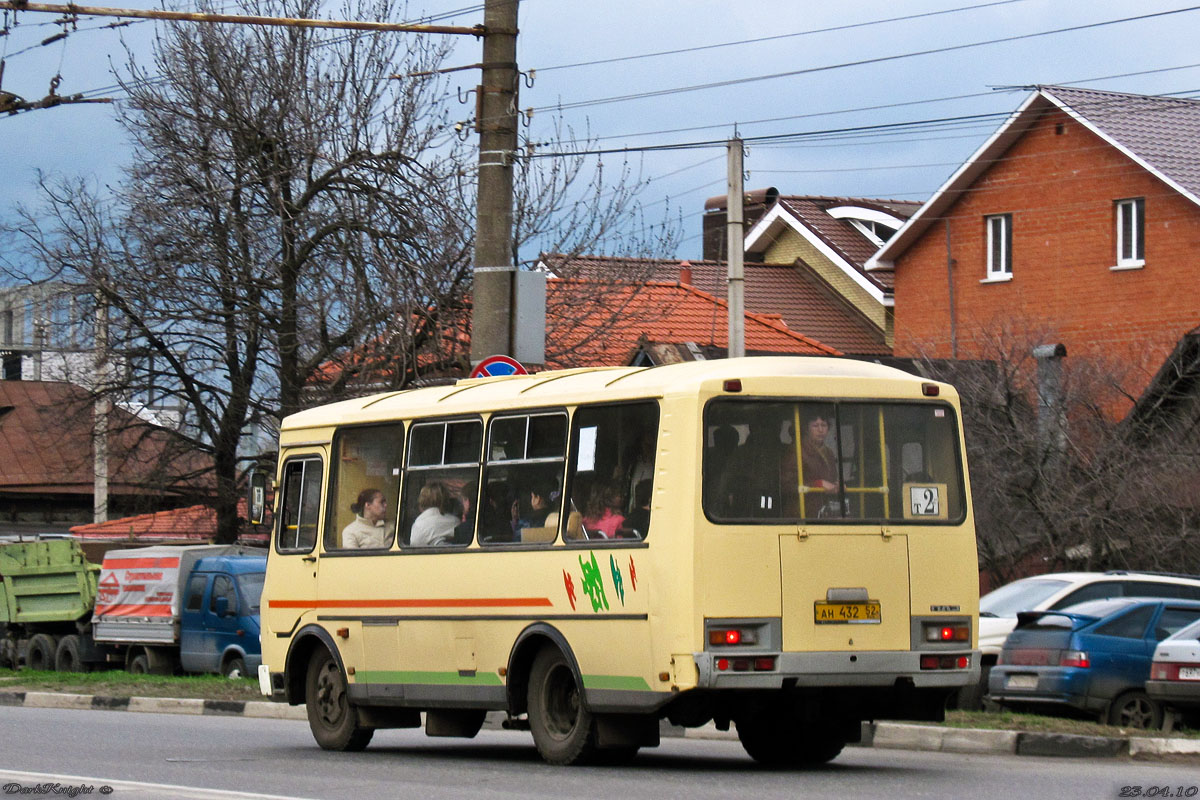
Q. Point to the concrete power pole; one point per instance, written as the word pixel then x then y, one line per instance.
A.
pixel 735 224
pixel 496 121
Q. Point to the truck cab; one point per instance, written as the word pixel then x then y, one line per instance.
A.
pixel 219 618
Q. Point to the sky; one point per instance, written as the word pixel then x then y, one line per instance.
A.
pixel 836 66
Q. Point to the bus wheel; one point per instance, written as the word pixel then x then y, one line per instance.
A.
pixel 334 722
pixel 39 653
pixel 561 726
pixel 783 740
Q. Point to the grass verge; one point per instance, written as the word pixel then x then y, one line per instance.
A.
pixel 1013 721
pixel 116 683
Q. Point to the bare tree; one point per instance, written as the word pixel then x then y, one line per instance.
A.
pixel 294 225
pixel 1061 477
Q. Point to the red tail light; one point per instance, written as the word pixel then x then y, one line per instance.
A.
pixel 1075 658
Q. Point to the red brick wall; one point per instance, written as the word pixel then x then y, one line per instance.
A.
pixel 1059 182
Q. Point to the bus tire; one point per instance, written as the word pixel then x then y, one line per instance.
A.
pixel 39 653
pixel 563 730
pixel 67 657
pixel 333 720
pixel 777 739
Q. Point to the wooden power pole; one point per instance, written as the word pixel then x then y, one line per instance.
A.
pixel 496 122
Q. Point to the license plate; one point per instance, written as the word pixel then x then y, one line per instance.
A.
pixel 826 613
pixel 1021 682
pixel 1189 673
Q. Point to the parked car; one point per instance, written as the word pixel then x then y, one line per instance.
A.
pixel 998 608
pixel 1175 672
pixel 1092 658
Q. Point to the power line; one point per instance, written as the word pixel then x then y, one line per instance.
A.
pixel 776 37
pixel 857 63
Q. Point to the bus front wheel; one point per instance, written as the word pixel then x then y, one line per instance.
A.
pixel 778 739
pixel 562 728
pixel 333 720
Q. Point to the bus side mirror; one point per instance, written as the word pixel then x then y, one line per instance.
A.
pixel 257 501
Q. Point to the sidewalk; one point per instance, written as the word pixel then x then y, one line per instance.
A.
pixel 893 735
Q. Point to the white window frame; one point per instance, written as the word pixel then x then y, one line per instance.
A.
pixel 998 227
pixel 1136 249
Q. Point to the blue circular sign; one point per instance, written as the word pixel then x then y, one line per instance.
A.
pixel 498 366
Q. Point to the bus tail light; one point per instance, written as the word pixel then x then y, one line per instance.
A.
pixel 930 389
pixel 945 662
pixel 947 632
pixel 757 664
pixel 731 637
pixel 1075 658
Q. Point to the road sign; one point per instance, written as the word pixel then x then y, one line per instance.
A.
pixel 497 366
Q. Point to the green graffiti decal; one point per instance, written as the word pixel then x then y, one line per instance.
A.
pixel 593 583
pixel 618 581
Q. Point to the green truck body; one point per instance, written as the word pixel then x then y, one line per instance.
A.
pixel 45 583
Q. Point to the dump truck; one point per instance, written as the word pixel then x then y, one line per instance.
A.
pixel 149 610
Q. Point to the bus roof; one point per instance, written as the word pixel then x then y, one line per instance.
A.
pixel 565 387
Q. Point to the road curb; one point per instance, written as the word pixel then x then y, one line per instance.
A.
pixel 886 735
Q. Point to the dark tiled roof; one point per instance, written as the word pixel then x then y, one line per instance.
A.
pixel 843 237
pixel 803 303
pixel 193 522
pixel 1162 131
pixel 46 441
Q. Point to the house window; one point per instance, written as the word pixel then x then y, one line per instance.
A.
pixel 999 247
pixel 1131 225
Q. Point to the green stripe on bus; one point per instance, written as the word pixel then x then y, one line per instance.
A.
pixel 626 682
pixel 428 678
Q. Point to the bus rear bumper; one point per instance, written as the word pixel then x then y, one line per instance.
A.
pixel 834 669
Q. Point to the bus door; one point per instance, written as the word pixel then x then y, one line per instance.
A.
pixel 292 587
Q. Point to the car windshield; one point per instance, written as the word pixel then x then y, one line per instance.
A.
pixel 1022 595
pixel 251 584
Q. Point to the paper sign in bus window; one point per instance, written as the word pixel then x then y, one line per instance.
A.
pixel 925 500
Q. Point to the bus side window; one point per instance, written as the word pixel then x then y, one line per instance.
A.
pixel 298 518
pixel 441 483
pixel 523 478
pixel 366 460
pixel 613 451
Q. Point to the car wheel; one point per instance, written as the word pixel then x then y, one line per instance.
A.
pixel 333 720
pixel 562 728
pixel 234 669
pixel 39 653
pixel 1135 710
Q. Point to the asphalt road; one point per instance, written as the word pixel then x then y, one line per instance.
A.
pixel 169 756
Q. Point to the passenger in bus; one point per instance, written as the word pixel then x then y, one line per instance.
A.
pixel 638 522
pixel 369 528
pixel 495 515
pixel 602 511
pixel 464 531
pixel 636 465
pixel 817 459
pixel 435 524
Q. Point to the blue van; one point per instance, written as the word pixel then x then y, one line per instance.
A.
pixel 219 621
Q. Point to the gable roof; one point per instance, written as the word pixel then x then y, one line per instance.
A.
pixel 802 302
pixel 46 437
pixel 1160 134
pixel 603 324
pixel 826 223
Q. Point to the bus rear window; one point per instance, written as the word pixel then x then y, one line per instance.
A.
pixel 896 462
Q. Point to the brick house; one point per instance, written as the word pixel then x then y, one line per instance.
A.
pixel 1078 219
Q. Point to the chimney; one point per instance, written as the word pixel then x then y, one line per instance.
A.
pixel 685 273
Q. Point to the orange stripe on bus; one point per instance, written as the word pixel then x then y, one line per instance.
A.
pixel 446 602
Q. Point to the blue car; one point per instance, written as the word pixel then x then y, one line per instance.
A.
pixel 1092 658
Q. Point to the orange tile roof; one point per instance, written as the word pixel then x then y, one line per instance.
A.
pixel 594 323
pixel 197 523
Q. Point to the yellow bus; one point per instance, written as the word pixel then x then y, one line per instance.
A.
pixel 784 544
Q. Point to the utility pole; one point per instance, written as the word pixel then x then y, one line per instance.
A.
pixel 736 227
pixel 496 122
pixel 102 410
